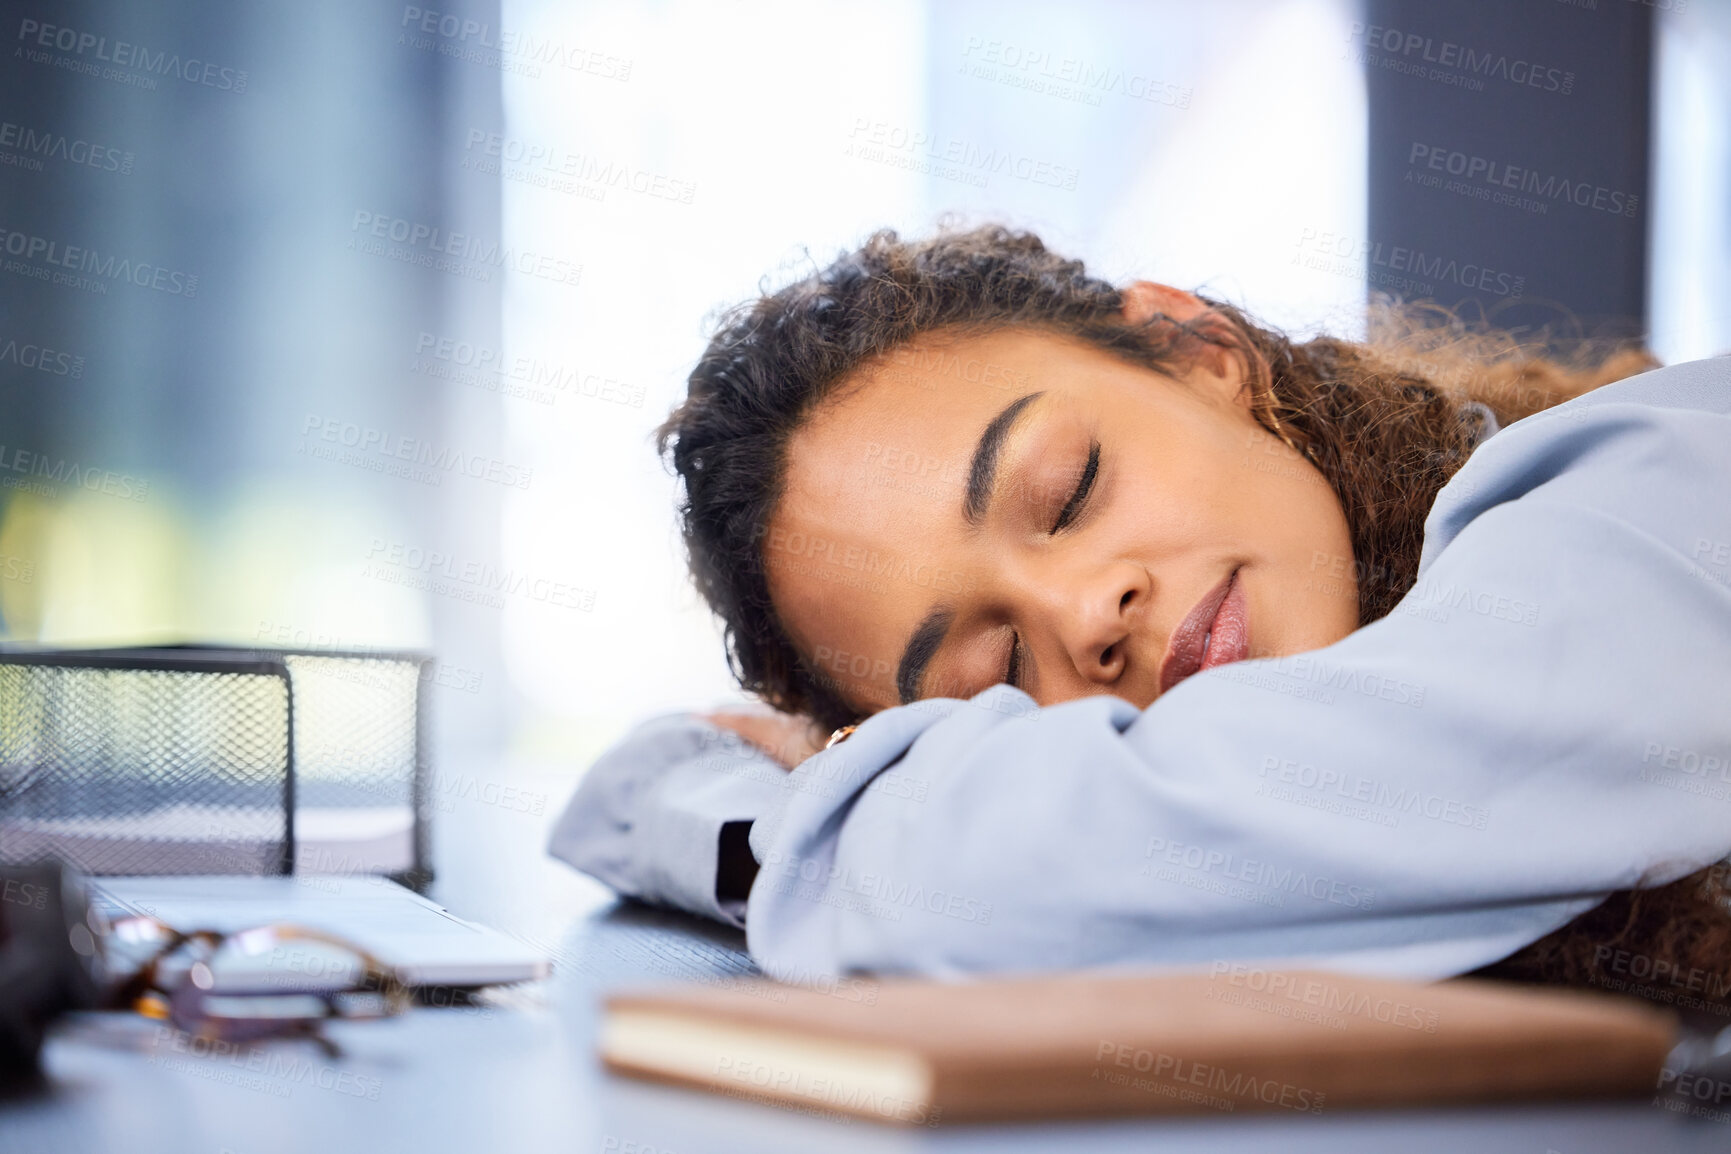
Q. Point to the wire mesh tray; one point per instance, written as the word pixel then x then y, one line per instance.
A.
pixel 215 760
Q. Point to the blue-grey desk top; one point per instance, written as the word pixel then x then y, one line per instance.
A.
pixel 521 1075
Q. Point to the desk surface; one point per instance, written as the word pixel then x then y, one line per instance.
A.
pixel 521 1076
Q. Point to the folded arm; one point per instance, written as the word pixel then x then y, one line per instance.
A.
pixel 664 815
pixel 1424 797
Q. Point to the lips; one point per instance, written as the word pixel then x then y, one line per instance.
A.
pixel 1215 632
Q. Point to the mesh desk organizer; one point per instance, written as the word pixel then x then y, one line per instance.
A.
pixel 214 760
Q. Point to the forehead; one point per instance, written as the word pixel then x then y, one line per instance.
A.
pixel 937 393
pixel 869 535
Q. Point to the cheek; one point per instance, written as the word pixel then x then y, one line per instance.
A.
pixel 1269 505
pixel 1277 488
pixel 827 606
pixel 1211 494
pixel 1306 532
pixel 1318 576
pixel 1317 515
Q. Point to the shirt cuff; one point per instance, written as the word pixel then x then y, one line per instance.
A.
pixel 648 817
pixel 680 831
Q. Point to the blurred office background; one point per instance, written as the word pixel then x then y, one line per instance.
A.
pixel 348 323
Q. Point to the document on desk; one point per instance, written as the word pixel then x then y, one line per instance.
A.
pixel 423 943
pixel 1229 1040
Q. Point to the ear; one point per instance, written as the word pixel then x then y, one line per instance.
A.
pixel 1217 369
pixel 1144 300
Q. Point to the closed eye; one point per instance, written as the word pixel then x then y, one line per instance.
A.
pixel 1013 668
pixel 1073 507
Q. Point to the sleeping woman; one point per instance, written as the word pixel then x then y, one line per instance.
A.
pixel 1149 636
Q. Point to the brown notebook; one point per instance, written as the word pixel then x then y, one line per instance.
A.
pixel 1230 1040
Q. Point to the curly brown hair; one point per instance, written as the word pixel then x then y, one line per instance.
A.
pixel 1387 422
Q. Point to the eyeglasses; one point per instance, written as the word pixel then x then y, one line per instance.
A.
pixel 268 981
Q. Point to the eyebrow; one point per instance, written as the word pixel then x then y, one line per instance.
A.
pixel 983 470
pixel 922 646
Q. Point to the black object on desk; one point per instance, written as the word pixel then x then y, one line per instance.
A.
pixel 50 962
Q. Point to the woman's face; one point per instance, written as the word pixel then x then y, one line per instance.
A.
pixel 1023 507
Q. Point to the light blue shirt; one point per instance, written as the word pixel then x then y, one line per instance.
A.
pixel 1543 719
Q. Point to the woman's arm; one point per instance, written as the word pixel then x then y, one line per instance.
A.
pixel 663 816
pixel 1544 719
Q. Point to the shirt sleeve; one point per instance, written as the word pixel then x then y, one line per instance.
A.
pixel 1545 718
pixel 648 817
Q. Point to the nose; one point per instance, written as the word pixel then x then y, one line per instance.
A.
pixel 1095 623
